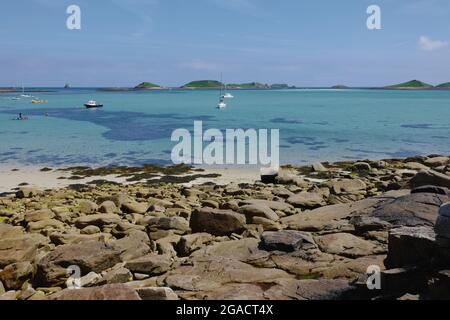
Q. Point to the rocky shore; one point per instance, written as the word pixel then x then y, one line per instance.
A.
pixel 308 233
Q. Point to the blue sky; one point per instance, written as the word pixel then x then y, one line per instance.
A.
pixel 170 42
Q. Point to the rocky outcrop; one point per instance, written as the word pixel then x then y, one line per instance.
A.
pixel 217 222
pixel 310 233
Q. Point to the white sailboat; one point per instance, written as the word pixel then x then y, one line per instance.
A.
pixel 221 104
pixel 23 95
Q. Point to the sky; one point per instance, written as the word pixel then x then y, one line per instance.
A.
pixel 171 42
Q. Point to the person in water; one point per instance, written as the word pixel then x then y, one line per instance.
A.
pixel 20 116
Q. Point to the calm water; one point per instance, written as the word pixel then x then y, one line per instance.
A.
pixel 135 127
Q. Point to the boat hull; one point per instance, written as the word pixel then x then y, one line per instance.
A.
pixel 93 107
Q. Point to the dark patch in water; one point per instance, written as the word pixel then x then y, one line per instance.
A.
pixel 418 126
pixel 337 140
pixel 124 125
pixel 307 141
pixel 321 123
pixel 110 155
pixel 285 121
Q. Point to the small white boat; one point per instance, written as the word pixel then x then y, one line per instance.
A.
pixel 23 95
pixel 228 96
pixel 92 104
pixel 221 104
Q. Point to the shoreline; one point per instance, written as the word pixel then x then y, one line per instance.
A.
pixel 14 176
pixel 311 233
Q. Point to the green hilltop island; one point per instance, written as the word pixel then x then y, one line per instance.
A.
pixel 444 86
pixel 411 85
pixel 213 84
pixel 148 86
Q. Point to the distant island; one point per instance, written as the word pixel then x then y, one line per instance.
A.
pixel 148 86
pixel 214 84
pixel 340 86
pixel 444 86
pixel 203 84
pixel 411 85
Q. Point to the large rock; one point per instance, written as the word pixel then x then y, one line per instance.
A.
pixel 20 249
pixel 134 207
pixel 39 215
pixel 430 177
pixel 98 220
pixel 8 231
pixel 151 264
pixel 411 246
pixel 157 294
pixel 287 241
pixel 335 217
pixel 242 250
pixel 108 292
pixel 210 273
pixel 217 222
pixel 192 242
pixel 319 167
pixel 178 224
pixel 74 238
pixel 14 275
pixel 347 245
pixel 442 227
pixel 274 205
pixel 255 210
pixel 135 245
pixel 323 289
pixel 347 186
pixel 411 210
pixel 437 161
pixel 87 206
pixel 88 256
pixel 45 224
pixel 308 200
pixel 108 207
pixel 290 178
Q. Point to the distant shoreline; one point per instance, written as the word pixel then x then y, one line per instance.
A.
pixel 131 89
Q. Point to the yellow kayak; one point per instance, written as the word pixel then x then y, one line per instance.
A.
pixel 39 101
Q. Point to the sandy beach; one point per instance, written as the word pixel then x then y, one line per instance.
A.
pixel 12 177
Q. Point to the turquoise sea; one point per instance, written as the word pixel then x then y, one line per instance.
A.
pixel 135 127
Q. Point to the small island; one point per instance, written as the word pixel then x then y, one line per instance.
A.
pixel 203 84
pixel 443 86
pixel 148 86
pixel 411 85
pixel 340 86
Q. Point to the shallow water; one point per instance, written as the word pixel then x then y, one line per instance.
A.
pixel 135 127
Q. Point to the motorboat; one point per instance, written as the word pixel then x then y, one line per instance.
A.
pixel 228 96
pixel 92 104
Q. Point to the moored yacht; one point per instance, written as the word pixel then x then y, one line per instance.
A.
pixel 92 104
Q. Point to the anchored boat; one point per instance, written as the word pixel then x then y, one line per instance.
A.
pixel 93 104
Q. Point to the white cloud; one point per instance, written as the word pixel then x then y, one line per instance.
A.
pixel 427 44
